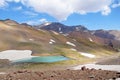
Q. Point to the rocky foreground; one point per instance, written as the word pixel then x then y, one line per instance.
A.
pixel 82 74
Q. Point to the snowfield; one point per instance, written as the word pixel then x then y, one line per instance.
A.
pixel 13 55
pixel 55 33
pixel 2 73
pixel 31 39
pixel 90 39
pixel 96 66
pixel 47 23
pixel 71 44
pixel 87 55
pixel 52 41
pixel 73 49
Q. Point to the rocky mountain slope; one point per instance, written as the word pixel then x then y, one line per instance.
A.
pixel 64 29
pixel 52 39
pixel 61 28
pixel 110 34
pixel 104 37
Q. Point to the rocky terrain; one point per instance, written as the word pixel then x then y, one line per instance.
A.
pixel 47 40
pixel 104 37
pixel 83 74
pixel 75 42
pixel 114 60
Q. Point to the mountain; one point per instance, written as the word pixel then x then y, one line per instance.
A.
pixel 110 34
pixel 9 22
pixel 52 39
pixel 104 37
pixel 115 33
pixel 60 28
pixel 64 29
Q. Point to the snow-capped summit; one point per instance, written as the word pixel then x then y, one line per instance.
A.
pixel 47 23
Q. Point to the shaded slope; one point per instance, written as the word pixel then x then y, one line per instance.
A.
pixel 108 38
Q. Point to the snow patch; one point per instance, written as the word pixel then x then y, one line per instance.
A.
pixel 90 39
pixel 55 33
pixel 96 66
pixel 73 49
pixel 69 43
pixel 47 23
pixel 2 73
pixel 77 29
pixel 52 41
pixel 13 55
pixel 60 29
pixel 31 39
pixel 115 79
pixel 118 79
pixel 61 32
pixel 65 34
pixel 87 55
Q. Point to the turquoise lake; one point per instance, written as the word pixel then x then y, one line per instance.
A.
pixel 43 59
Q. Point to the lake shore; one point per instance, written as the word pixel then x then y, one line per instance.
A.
pixel 73 72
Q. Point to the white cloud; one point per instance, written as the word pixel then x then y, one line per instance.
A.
pixel 18 8
pixel 31 22
pixel 17 1
pixel 106 10
pixel 13 1
pixel 2 3
pixel 56 8
pixel 43 20
pixel 29 13
pixel 116 5
pixel 61 9
pixel 36 22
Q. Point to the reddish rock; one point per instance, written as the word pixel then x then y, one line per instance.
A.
pixel 83 68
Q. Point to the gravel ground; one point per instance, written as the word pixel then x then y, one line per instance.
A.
pixel 110 61
pixel 82 74
pixel 108 69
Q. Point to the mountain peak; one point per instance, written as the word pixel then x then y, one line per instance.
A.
pixel 10 22
pixel 61 28
pixel 46 23
pixel 80 28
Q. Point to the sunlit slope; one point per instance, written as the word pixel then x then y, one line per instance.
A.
pixel 42 42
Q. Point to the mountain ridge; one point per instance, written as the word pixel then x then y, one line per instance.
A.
pixel 61 28
pixel 32 35
pixel 64 29
pixel 72 44
pixel 103 36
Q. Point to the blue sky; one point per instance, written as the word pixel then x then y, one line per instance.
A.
pixel 93 14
